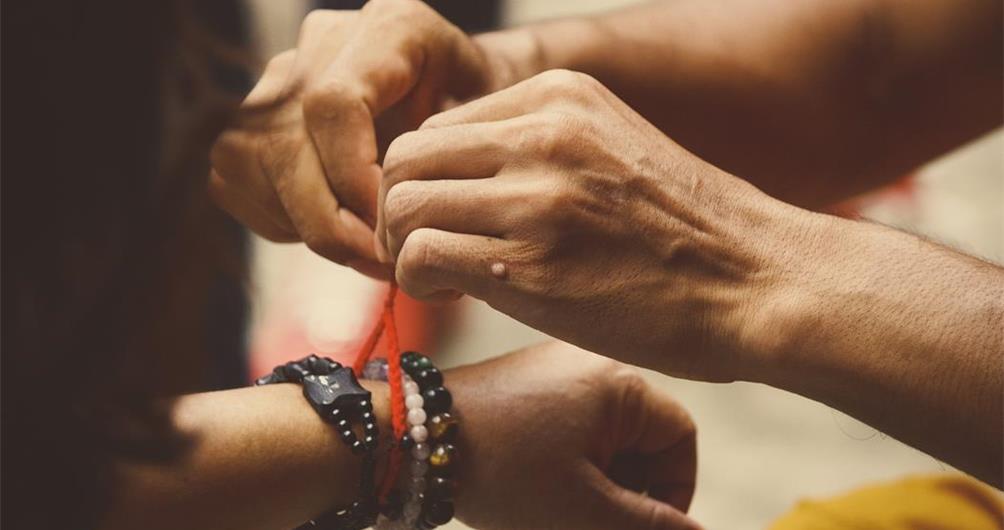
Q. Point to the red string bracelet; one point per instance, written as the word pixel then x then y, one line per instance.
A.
pixel 386 323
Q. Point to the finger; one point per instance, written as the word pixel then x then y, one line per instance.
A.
pixel 230 156
pixel 395 44
pixel 469 151
pixel 664 432
pixel 328 229
pixel 232 201
pixel 433 261
pixel 673 473
pixel 550 88
pixel 486 207
pixel 274 79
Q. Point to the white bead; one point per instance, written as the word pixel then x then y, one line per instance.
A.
pixel 416 417
pixel 419 433
pixel 414 401
pixel 411 388
pixel 417 485
pixel 421 451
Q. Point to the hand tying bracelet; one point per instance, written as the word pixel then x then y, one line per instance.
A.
pixel 335 394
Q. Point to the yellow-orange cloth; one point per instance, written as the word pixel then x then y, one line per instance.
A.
pixel 943 502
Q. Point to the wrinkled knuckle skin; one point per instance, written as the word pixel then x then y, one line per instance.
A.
pixel 433 122
pixel 316 22
pixel 570 89
pixel 408 11
pixel 330 100
pixel 626 377
pixel 399 208
pixel 558 79
pixel 398 153
pixel 415 260
pixel 546 136
pixel 279 62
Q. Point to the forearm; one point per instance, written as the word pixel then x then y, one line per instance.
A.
pixel 260 458
pixel 853 93
pixel 897 331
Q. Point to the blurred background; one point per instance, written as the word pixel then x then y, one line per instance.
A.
pixel 761 450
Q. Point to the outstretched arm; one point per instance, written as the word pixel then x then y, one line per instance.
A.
pixel 811 101
pixel 262 459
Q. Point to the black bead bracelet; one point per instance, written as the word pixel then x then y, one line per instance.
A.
pixel 334 393
pixel 441 426
pixel 428 502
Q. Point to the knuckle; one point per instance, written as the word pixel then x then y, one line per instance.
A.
pixel 553 202
pixel 564 82
pixel 435 121
pixel 625 377
pixel 316 21
pixel 399 207
pixel 417 257
pixel 398 153
pixel 570 88
pixel 279 62
pixel 408 11
pixel 547 136
pixel 330 100
pixel 587 82
pixel 558 78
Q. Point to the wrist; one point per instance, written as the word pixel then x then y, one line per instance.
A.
pixel 776 302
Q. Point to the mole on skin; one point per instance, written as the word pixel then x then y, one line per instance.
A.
pixel 498 270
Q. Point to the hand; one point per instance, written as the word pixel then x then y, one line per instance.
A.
pixel 301 159
pixel 557 204
pixel 557 438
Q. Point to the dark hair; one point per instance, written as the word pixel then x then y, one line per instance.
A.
pixel 110 246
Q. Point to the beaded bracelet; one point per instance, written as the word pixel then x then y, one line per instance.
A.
pixel 335 394
pixel 428 502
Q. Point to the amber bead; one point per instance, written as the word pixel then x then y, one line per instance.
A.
pixel 443 427
pixel 442 456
